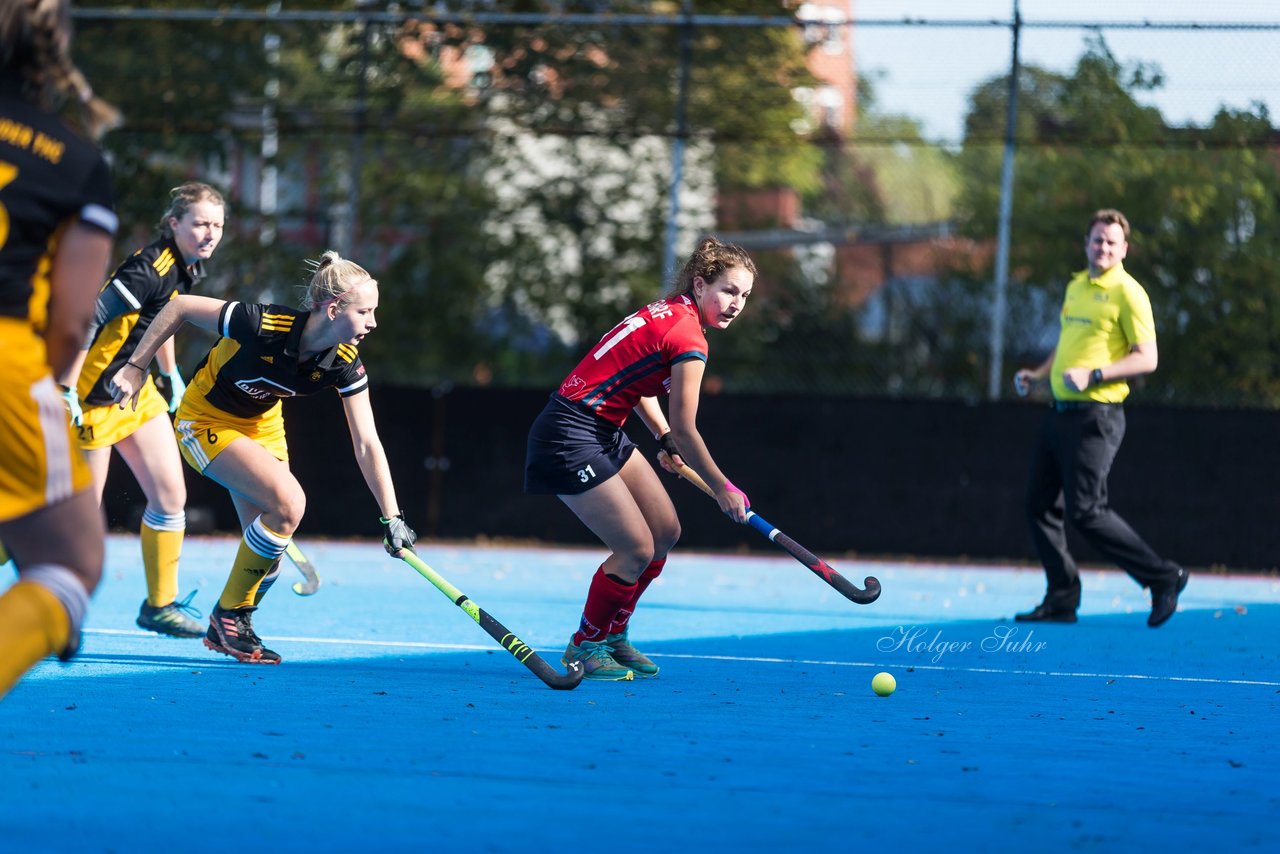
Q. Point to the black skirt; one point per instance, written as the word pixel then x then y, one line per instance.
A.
pixel 572 450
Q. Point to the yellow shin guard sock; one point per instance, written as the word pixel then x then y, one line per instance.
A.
pixel 162 537
pixel 252 565
pixel 33 624
pixel 272 576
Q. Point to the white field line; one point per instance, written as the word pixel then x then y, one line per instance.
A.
pixel 947 669
pixel 759 660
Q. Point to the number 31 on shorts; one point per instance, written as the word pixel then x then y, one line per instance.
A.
pixel 586 474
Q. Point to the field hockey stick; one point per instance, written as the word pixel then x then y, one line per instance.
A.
pixel 820 567
pixel 307 568
pixel 508 641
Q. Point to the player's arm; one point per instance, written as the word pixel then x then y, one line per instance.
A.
pixel 370 455
pixel 203 312
pixel 114 300
pixel 372 459
pixel 167 360
pixel 187 308
pixel 167 357
pixel 78 267
pixel 650 412
pixel 686 388
pixel 67 386
pixel 71 375
pixel 119 296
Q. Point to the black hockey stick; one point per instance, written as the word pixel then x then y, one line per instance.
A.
pixel 508 641
pixel 862 596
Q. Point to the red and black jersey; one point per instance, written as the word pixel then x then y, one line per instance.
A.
pixel 635 358
pixel 137 290
pixel 49 177
pixel 255 363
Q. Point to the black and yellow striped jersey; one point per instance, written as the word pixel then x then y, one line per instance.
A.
pixel 255 363
pixel 49 177
pixel 132 297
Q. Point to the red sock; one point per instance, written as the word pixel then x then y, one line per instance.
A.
pixel 651 572
pixel 605 598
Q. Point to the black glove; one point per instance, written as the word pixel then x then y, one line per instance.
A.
pixel 668 444
pixel 397 535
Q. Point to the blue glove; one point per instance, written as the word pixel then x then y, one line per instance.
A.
pixel 176 388
pixel 398 535
pixel 73 405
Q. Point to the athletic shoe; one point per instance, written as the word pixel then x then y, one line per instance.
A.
pixel 171 619
pixel 597 661
pixel 628 656
pixel 231 633
pixel 1164 596
pixel 69 651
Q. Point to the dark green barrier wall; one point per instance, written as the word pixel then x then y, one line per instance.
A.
pixel 936 479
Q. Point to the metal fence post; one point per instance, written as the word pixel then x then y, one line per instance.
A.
pixel 1000 300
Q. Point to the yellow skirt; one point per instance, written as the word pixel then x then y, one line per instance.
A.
pixel 205 431
pixel 103 426
pixel 40 464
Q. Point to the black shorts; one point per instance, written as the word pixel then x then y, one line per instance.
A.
pixel 571 450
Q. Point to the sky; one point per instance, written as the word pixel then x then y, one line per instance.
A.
pixel 928 72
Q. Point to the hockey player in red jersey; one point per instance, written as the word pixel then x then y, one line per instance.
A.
pixel 579 452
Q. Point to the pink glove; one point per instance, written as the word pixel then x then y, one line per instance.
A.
pixel 745 500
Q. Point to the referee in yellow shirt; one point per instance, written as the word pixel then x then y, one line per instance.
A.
pixel 1108 335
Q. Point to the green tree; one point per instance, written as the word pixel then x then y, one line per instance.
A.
pixel 886 173
pixel 581 122
pixel 195 95
pixel 521 214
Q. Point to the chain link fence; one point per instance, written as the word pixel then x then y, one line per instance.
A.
pixel 519 176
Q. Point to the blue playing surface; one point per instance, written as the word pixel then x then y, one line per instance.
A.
pixel 396 724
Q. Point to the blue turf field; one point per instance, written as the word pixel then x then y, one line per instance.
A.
pixel 395 723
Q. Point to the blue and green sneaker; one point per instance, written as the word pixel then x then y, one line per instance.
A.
pixel 597 661
pixel 628 656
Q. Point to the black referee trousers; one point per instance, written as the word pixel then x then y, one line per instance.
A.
pixel 1069 469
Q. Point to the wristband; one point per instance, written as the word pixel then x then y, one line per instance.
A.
pixel 729 486
pixel 133 364
pixel 1095 377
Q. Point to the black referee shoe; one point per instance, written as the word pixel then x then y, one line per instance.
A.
pixel 1059 606
pixel 1046 612
pixel 1164 596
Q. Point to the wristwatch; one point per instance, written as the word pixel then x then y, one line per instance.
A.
pixel 1095 377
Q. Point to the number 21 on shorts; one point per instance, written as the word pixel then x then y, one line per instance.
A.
pixel 586 474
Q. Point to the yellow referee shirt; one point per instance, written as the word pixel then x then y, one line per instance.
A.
pixel 1102 320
